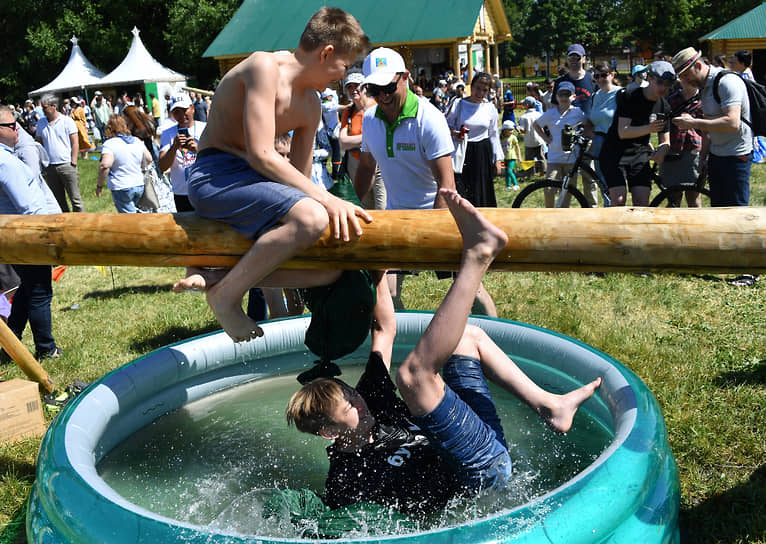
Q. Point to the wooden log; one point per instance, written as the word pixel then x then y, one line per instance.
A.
pixel 26 361
pixel 717 240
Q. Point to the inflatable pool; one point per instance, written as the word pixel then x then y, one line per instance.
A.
pixel 630 493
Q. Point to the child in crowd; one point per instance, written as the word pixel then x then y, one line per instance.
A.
pixel 281 302
pixel 550 126
pixel 511 153
pixel 322 151
pixel 240 179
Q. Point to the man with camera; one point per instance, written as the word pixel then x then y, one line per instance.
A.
pixel 178 148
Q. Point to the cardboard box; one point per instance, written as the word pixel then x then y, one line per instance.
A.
pixel 21 411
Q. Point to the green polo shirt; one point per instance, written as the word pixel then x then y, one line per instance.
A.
pixel 409 110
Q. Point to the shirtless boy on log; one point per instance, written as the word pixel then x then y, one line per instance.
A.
pixel 240 179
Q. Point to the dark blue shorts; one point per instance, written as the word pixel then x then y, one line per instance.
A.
pixel 466 429
pixel 224 187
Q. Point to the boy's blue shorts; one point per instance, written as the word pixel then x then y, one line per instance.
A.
pixel 466 429
pixel 224 187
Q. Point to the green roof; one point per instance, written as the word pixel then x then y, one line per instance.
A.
pixel 271 25
pixel 750 25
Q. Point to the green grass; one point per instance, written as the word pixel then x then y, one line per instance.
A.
pixel 698 343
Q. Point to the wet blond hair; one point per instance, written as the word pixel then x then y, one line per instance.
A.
pixel 310 406
pixel 333 26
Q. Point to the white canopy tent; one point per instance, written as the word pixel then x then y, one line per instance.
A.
pixel 78 73
pixel 140 68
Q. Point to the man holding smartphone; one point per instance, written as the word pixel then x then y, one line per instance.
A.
pixel 178 148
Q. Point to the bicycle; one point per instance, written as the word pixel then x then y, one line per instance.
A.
pixel 533 195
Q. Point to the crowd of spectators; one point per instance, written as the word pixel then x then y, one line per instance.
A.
pixel 671 97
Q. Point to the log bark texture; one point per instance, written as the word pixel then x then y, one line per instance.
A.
pixel 717 240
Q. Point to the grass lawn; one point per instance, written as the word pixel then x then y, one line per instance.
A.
pixel 698 343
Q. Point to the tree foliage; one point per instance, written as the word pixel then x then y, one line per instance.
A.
pixel 602 26
pixel 36 36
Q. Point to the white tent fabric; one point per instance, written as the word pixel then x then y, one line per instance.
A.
pixel 139 66
pixel 77 74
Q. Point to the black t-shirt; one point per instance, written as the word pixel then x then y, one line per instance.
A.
pixel 399 468
pixel 634 105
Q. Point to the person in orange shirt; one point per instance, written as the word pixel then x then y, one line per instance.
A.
pixel 351 137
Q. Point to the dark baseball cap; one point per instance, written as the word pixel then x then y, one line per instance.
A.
pixel 577 49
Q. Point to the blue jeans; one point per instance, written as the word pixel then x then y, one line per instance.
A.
pixel 256 305
pixel 466 429
pixel 125 200
pixel 729 180
pixel 32 303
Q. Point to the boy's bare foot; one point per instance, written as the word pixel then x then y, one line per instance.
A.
pixel 232 318
pixel 199 279
pixel 481 239
pixel 559 417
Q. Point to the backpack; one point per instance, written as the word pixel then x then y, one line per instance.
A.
pixel 756 93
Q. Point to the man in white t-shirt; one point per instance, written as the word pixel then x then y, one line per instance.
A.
pixel 178 148
pixel 58 135
pixel 408 137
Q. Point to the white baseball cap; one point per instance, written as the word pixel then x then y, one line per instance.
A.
pixel 381 66
pixel 353 77
pixel 180 100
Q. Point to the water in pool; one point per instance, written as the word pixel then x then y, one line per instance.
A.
pixel 216 461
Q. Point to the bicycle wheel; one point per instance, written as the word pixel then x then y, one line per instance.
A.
pixel 676 196
pixel 533 195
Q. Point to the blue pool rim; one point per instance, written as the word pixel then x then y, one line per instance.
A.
pixel 630 493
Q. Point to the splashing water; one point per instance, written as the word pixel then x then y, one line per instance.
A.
pixel 217 461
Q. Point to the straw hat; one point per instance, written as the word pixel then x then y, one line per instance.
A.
pixel 685 58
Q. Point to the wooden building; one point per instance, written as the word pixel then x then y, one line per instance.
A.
pixel 432 36
pixel 748 31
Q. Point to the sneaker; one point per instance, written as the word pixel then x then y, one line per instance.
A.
pixel 54 354
pixel 516 188
pixel 55 401
pixel 745 280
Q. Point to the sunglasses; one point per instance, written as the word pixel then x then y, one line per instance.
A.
pixel 598 75
pixel 665 82
pixel 375 90
pixel 11 126
pixel 574 56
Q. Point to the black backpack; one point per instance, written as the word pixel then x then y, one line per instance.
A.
pixel 756 93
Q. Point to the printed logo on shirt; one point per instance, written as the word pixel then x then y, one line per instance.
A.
pixel 404 146
pixel 399 457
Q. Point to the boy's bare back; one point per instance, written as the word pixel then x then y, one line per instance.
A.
pixel 264 95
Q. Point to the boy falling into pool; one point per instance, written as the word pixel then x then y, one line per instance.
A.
pixel 240 179
pixel 445 437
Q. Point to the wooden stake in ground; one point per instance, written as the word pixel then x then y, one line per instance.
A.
pixel 20 354
pixel 712 240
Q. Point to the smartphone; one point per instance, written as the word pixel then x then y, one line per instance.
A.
pixel 661 117
pixel 183 132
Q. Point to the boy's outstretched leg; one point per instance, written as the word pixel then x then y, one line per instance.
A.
pixel 418 378
pixel 557 411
